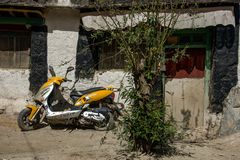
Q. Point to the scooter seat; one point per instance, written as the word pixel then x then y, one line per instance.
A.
pixel 76 94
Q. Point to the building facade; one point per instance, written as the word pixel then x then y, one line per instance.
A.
pixel 201 91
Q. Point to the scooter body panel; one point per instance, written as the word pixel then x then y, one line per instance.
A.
pixel 56 80
pixel 63 115
pixel 93 97
pixel 33 109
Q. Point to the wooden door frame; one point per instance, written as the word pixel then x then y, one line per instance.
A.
pixel 207 33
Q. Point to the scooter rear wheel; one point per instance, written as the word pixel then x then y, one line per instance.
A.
pixel 108 124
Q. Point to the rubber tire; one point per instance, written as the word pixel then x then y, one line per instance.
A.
pixel 23 115
pixel 109 125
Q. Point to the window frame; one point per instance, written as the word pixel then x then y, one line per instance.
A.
pixel 17 61
pixel 207 33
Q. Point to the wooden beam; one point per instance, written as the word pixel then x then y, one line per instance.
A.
pixel 21 20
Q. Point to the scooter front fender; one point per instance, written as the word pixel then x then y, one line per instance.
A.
pixel 33 109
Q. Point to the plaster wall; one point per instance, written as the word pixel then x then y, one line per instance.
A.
pixel 230 122
pixel 63 27
pixel 14 89
pixel 107 78
pixel 60 3
pixel 223 117
pixel 64 2
pixel 63 32
pixel 67 3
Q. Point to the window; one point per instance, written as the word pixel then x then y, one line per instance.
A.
pixel 185 39
pixel 14 48
pixel 199 38
pixel 110 57
pixel 192 65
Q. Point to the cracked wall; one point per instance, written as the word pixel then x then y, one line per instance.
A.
pixel 63 27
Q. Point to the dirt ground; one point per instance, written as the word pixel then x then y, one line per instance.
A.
pixel 49 144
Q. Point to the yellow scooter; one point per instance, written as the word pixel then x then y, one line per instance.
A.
pixel 94 107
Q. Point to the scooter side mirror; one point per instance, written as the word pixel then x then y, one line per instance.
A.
pixel 69 69
pixel 52 72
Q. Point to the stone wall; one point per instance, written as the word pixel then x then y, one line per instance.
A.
pixel 38 67
pixel 228 121
pixel 231 113
pixel 225 63
pixel 84 57
pixel 231 106
pixel 63 38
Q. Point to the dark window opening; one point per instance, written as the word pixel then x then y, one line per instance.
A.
pixel 4 14
pixel 106 53
pixel 185 39
pixel 109 57
pixel 14 48
pixel 190 66
pixel 17 14
pixel 181 39
pixel 198 38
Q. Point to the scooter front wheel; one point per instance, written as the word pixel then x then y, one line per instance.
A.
pixel 108 124
pixel 23 121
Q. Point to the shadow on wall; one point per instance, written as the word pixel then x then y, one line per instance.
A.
pixel 225 63
pixel 63 19
pixel 84 58
pixel 186 118
pixel 38 67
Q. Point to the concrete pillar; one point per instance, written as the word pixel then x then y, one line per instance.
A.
pixel 63 27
